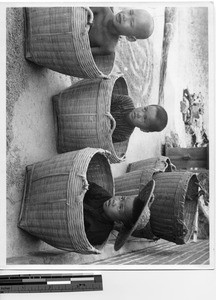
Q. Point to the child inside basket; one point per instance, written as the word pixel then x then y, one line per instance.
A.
pixel 148 118
pixel 101 211
pixel 108 27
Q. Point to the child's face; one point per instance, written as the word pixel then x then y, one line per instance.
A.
pixel 134 22
pixel 119 208
pixel 143 117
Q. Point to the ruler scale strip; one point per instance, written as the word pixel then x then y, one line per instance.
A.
pixel 50 283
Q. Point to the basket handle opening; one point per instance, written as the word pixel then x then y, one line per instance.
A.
pixel 85 186
pixel 112 121
pixel 90 15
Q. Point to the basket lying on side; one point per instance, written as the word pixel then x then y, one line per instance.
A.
pixel 140 173
pixel 129 183
pixel 52 205
pixel 82 116
pixel 162 163
pixel 174 207
pixel 57 38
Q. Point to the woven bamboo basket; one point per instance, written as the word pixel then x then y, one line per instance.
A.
pixel 57 38
pixel 174 207
pixel 52 204
pixel 140 173
pixel 82 116
pixel 162 163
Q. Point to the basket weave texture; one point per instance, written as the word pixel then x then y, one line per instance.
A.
pixel 161 163
pixel 140 173
pixel 175 203
pixel 57 38
pixel 82 116
pixel 52 205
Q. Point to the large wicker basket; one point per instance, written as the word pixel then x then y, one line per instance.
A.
pixel 161 163
pixel 57 38
pixel 140 173
pixel 174 207
pixel 83 119
pixel 52 205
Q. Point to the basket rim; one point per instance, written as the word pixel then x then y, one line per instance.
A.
pixel 133 166
pixel 105 90
pixel 76 177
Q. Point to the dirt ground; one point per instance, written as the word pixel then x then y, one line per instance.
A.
pixel 30 126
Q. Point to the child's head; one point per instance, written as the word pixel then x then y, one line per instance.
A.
pixel 131 211
pixel 134 23
pixel 149 118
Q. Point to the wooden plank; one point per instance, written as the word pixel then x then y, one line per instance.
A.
pixel 186 158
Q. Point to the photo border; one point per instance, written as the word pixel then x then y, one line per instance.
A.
pixel 212 114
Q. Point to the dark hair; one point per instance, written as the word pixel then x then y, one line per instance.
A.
pixel 161 119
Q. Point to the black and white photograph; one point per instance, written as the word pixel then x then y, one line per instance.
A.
pixel 109 135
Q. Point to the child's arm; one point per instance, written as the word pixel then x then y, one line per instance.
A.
pixel 96 9
pixel 95 191
pixel 99 51
pixel 102 10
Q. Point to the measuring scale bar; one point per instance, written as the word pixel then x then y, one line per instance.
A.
pixel 50 283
